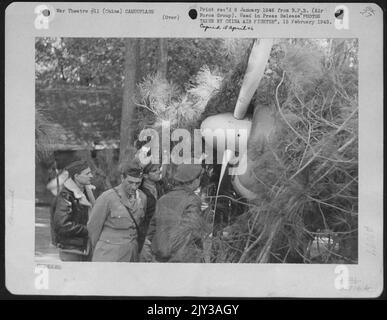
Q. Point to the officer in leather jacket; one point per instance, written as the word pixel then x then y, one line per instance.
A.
pixel 72 212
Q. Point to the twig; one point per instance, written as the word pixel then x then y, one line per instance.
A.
pixel 232 199
pixel 330 105
pixel 337 160
pixel 275 256
pixel 281 113
pixel 286 255
pixel 252 228
pixel 346 120
pixel 331 232
pixel 230 246
pixel 340 256
pixel 342 148
pixel 244 255
pixel 336 132
pixel 260 181
pixel 323 217
pixel 306 164
pixel 146 107
pixel 338 192
pixel 324 120
pixel 322 176
pixel 323 105
pixel 305 258
pixel 262 257
pixel 329 205
pixel 306 148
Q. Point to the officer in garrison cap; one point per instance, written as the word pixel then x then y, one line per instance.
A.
pixel 116 216
pixel 173 233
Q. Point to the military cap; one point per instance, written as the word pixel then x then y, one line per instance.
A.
pixel 76 167
pixel 132 169
pixel 187 172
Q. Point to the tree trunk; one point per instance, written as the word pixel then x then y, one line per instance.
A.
pixel 141 52
pixel 163 58
pixel 127 149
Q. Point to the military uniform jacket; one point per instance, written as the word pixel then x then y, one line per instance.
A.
pixel 173 229
pixel 69 221
pixel 112 231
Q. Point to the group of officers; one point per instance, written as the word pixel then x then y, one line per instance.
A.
pixel 132 222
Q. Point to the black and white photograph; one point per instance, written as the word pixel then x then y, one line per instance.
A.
pixel 194 150
pixel 295 202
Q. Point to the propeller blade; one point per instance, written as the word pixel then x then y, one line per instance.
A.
pixel 259 56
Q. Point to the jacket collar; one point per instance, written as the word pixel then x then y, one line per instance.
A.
pixel 78 194
pixel 125 200
pixel 123 194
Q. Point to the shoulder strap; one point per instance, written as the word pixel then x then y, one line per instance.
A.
pixel 130 213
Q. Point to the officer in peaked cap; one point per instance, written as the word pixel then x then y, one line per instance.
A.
pixel 177 213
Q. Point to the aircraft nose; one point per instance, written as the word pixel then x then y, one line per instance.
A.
pixel 223 131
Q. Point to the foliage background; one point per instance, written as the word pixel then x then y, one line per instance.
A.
pixel 79 81
pixel 306 211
